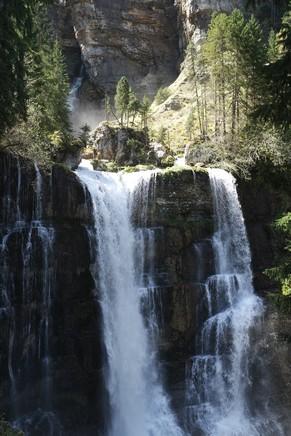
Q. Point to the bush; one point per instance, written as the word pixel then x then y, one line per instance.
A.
pixel 162 95
pixel 6 430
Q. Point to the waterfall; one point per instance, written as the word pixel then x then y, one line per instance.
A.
pixel 219 381
pixel 139 405
pixel 74 91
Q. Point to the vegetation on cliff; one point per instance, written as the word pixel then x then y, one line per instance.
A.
pixel 231 101
pixel 6 430
pixel 34 86
pixel 281 273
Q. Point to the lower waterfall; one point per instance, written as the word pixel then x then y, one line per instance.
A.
pixel 128 372
pixel 219 382
pixel 139 405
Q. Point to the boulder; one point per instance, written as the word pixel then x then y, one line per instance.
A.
pixel 124 145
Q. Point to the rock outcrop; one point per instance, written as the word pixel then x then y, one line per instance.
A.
pixel 194 16
pixel 123 145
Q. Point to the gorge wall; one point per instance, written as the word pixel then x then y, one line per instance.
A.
pixel 141 39
pixel 137 39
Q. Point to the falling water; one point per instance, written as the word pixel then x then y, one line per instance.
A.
pixel 138 402
pixel 74 91
pixel 219 379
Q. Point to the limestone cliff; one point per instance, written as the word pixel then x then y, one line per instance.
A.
pixel 194 16
pixel 141 39
pixel 137 39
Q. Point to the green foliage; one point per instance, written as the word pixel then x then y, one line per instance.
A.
pixel 273 47
pixel 84 136
pixel 39 119
pixel 144 111
pixel 167 162
pixel 162 95
pixel 190 123
pixel 234 54
pixel 48 87
pixel 162 135
pixel 275 107
pixel 16 22
pixel 129 107
pixel 282 272
pixel 122 98
pixel 260 146
pixel 6 430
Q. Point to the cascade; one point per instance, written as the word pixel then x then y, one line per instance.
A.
pixel 139 405
pixel 219 380
pixel 74 91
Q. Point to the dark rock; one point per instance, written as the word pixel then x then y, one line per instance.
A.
pixel 48 253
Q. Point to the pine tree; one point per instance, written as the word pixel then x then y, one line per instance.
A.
pixel 134 106
pixel 48 87
pixel 275 107
pixel 236 29
pixel 273 47
pixel 16 18
pixel 144 111
pixel 122 98
pixel 216 56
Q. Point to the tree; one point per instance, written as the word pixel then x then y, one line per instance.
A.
pixel 162 95
pixel 192 54
pixel 273 52
pixel 122 98
pixel 215 52
pixel 282 272
pixel 275 107
pixel 85 133
pixel 16 18
pixel 144 111
pixel 190 122
pixel 254 57
pixel 47 88
pixel 134 106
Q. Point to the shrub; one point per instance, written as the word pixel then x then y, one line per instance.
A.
pixel 162 95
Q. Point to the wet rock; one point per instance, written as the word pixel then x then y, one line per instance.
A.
pixel 45 253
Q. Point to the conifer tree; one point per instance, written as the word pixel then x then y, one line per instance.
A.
pixel 47 81
pixel 273 47
pixel 275 106
pixel 216 55
pixel 122 97
pixel 16 19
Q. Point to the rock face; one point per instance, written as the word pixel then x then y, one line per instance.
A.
pixel 51 341
pixel 137 39
pixel 264 198
pixel 194 16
